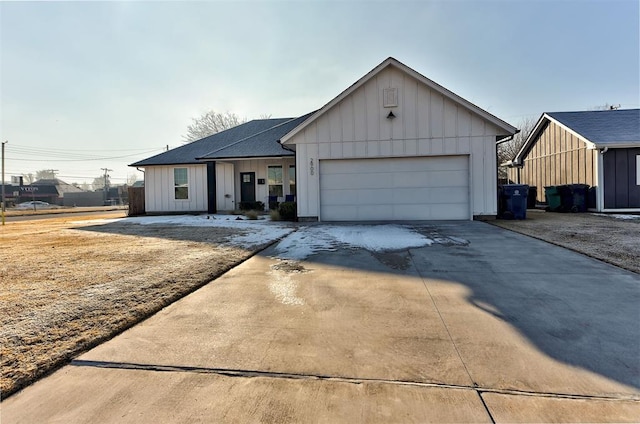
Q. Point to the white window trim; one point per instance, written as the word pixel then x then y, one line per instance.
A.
pixel 173 187
pixel 638 170
pixel 295 178
pixel 283 180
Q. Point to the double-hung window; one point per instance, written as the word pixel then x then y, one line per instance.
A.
pixel 275 181
pixel 292 180
pixel 180 183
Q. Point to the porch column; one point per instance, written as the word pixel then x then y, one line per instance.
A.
pixel 211 187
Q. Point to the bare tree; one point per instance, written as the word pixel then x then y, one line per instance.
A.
pixel 210 123
pixel 508 151
pixel 45 174
pixel 99 182
pixel 131 179
pixel 28 178
pixel 606 106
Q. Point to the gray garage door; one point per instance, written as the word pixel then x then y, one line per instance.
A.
pixel 419 188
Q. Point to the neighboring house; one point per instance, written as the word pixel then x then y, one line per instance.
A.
pixel 393 146
pixel 598 148
pixel 48 190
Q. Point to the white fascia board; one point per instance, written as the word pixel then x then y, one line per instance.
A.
pixel 509 129
pixel 618 145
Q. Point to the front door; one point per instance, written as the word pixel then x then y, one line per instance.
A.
pixel 247 186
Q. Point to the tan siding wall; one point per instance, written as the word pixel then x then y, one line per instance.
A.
pixel 557 157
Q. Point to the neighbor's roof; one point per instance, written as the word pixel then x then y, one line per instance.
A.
pixel 188 153
pixel 60 186
pixel 263 144
pixel 603 127
pixel 504 126
pixel 598 128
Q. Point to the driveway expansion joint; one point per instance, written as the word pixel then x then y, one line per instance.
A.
pixel 228 372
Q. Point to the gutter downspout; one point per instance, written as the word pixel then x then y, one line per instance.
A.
pixel 600 179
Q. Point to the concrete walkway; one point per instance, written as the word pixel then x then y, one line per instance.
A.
pixel 500 328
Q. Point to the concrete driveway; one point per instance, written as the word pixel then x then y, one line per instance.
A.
pixel 480 325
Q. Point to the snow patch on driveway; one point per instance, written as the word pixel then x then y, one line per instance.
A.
pixel 307 241
pixel 284 288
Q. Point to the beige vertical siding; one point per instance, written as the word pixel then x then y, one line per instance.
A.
pixel 159 189
pixel 259 166
pixel 557 157
pixel 426 124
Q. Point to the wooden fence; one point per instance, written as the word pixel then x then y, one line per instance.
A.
pixel 136 201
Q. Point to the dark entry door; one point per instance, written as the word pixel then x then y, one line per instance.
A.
pixel 247 186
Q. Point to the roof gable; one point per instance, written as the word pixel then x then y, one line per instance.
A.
pixel 598 129
pixel 391 62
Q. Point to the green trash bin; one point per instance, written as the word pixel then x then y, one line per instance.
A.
pixel 554 200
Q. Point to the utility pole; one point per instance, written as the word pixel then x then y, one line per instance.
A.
pixel 106 184
pixel 3 143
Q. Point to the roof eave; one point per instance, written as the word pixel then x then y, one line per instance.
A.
pixel 205 159
pixel 617 145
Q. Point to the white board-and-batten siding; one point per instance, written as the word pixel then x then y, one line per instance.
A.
pixel 159 189
pixel 426 124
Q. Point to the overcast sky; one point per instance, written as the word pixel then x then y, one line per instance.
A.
pixel 89 85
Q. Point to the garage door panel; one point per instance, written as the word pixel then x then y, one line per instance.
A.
pixel 448 195
pixel 448 179
pixel 395 188
pixel 356 181
pixel 449 211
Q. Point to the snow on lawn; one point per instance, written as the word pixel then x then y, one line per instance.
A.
pixel 250 232
pixel 309 240
pixel 618 216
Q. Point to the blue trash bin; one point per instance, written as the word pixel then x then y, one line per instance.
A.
pixel 513 201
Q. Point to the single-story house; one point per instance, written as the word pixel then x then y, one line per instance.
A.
pixel 393 146
pixel 597 148
pixel 47 190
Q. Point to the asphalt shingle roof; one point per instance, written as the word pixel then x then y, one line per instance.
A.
pixel 262 144
pixel 603 127
pixel 188 153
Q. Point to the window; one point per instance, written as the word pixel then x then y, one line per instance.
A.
pixel 180 183
pixel 274 177
pixel 638 170
pixel 292 180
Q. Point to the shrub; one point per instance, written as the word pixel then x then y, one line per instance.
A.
pixel 287 211
pixel 252 215
pixel 274 214
pixel 247 206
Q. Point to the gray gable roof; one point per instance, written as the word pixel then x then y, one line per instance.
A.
pixel 603 127
pixel 189 153
pixel 262 144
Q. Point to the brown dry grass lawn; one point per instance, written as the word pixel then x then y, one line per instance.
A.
pixel 612 240
pixel 67 285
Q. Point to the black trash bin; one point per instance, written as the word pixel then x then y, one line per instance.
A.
pixel 579 196
pixel 512 201
pixel 573 197
pixel 532 195
pixel 591 198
